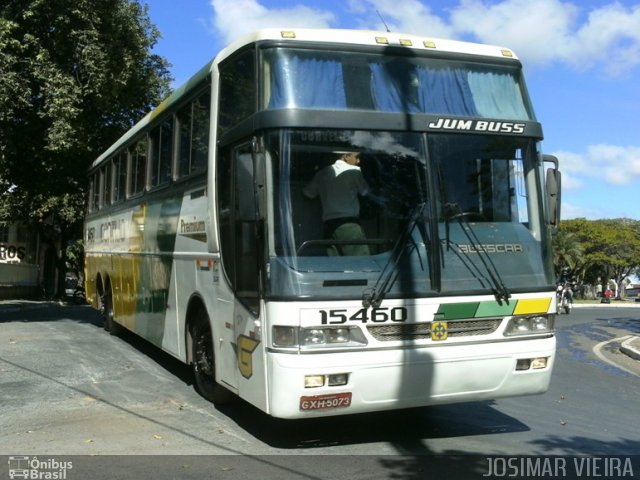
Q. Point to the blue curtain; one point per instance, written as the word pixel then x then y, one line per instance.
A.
pixel 301 81
pixel 405 88
pixel 497 95
pixel 387 85
pixel 445 91
pixel 307 83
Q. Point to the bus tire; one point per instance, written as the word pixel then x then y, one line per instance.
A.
pixel 110 325
pixel 203 363
pixel 100 307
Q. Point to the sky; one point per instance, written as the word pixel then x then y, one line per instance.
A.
pixel 581 62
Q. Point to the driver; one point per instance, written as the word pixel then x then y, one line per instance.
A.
pixel 338 186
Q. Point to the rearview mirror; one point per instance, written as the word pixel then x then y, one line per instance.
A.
pixel 553 189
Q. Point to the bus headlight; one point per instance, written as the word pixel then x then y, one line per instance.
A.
pixel 313 336
pixel 285 336
pixel 317 336
pixel 329 336
pixel 529 325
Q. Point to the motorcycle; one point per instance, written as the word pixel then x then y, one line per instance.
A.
pixel 74 290
pixel 563 302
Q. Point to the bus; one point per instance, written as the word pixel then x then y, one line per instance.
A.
pixel 199 236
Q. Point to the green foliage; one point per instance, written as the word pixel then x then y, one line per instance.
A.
pixel 598 248
pixel 567 252
pixel 75 257
pixel 74 76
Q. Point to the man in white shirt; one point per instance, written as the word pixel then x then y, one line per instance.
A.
pixel 338 187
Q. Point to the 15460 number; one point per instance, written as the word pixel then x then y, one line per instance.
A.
pixel 376 315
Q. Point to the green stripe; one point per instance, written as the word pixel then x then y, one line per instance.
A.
pixel 451 311
pixel 491 308
pixel 494 309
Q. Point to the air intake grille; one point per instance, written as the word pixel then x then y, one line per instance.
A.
pixel 421 331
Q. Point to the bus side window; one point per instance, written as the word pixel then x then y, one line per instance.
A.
pixel 184 140
pixel 237 95
pixel 120 182
pixel 161 149
pixel 193 135
pixel 95 192
pixel 200 132
pixel 106 184
pixel 138 166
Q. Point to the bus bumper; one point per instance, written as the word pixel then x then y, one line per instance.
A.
pixel 406 378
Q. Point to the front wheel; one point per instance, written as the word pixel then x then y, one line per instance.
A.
pixel 203 364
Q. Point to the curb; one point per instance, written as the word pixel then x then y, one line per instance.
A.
pixel 25 306
pixel 631 347
pixel 607 305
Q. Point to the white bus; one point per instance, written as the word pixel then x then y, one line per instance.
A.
pixel 200 239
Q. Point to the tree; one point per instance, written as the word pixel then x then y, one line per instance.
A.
pixel 567 253
pixel 74 76
pixel 611 247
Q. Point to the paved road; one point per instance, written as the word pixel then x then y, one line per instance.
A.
pixel 68 388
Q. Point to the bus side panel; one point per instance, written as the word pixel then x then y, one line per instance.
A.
pixel 154 274
pixel 192 266
pixel 252 381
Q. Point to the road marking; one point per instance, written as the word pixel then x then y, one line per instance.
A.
pixel 598 352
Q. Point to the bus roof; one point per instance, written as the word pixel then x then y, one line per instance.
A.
pixel 372 38
pixel 368 37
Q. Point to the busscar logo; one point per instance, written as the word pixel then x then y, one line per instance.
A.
pixel 478 126
pixel 492 248
pixel 33 468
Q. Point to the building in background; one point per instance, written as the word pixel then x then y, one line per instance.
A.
pixel 27 266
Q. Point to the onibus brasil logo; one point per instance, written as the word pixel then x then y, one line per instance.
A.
pixel 34 468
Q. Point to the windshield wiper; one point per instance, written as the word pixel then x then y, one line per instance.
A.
pixel 498 287
pixel 374 296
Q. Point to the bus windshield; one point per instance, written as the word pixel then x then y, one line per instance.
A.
pixel 297 78
pixel 427 215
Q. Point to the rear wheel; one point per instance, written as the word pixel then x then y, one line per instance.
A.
pixel 106 308
pixel 100 305
pixel 203 365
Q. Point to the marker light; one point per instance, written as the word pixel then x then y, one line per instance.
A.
pixel 538 363
pixel 532 363
pixel 333 380
pixel 337 379
pixel 313 381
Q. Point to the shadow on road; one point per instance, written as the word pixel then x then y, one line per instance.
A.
pixel 28 311
pixel 406 429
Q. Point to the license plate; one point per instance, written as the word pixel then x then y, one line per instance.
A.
pixel 322 402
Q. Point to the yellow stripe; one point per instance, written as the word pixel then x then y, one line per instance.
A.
pixel 532 305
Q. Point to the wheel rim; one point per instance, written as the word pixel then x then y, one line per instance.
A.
pixel 204 355
pixel 108 309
